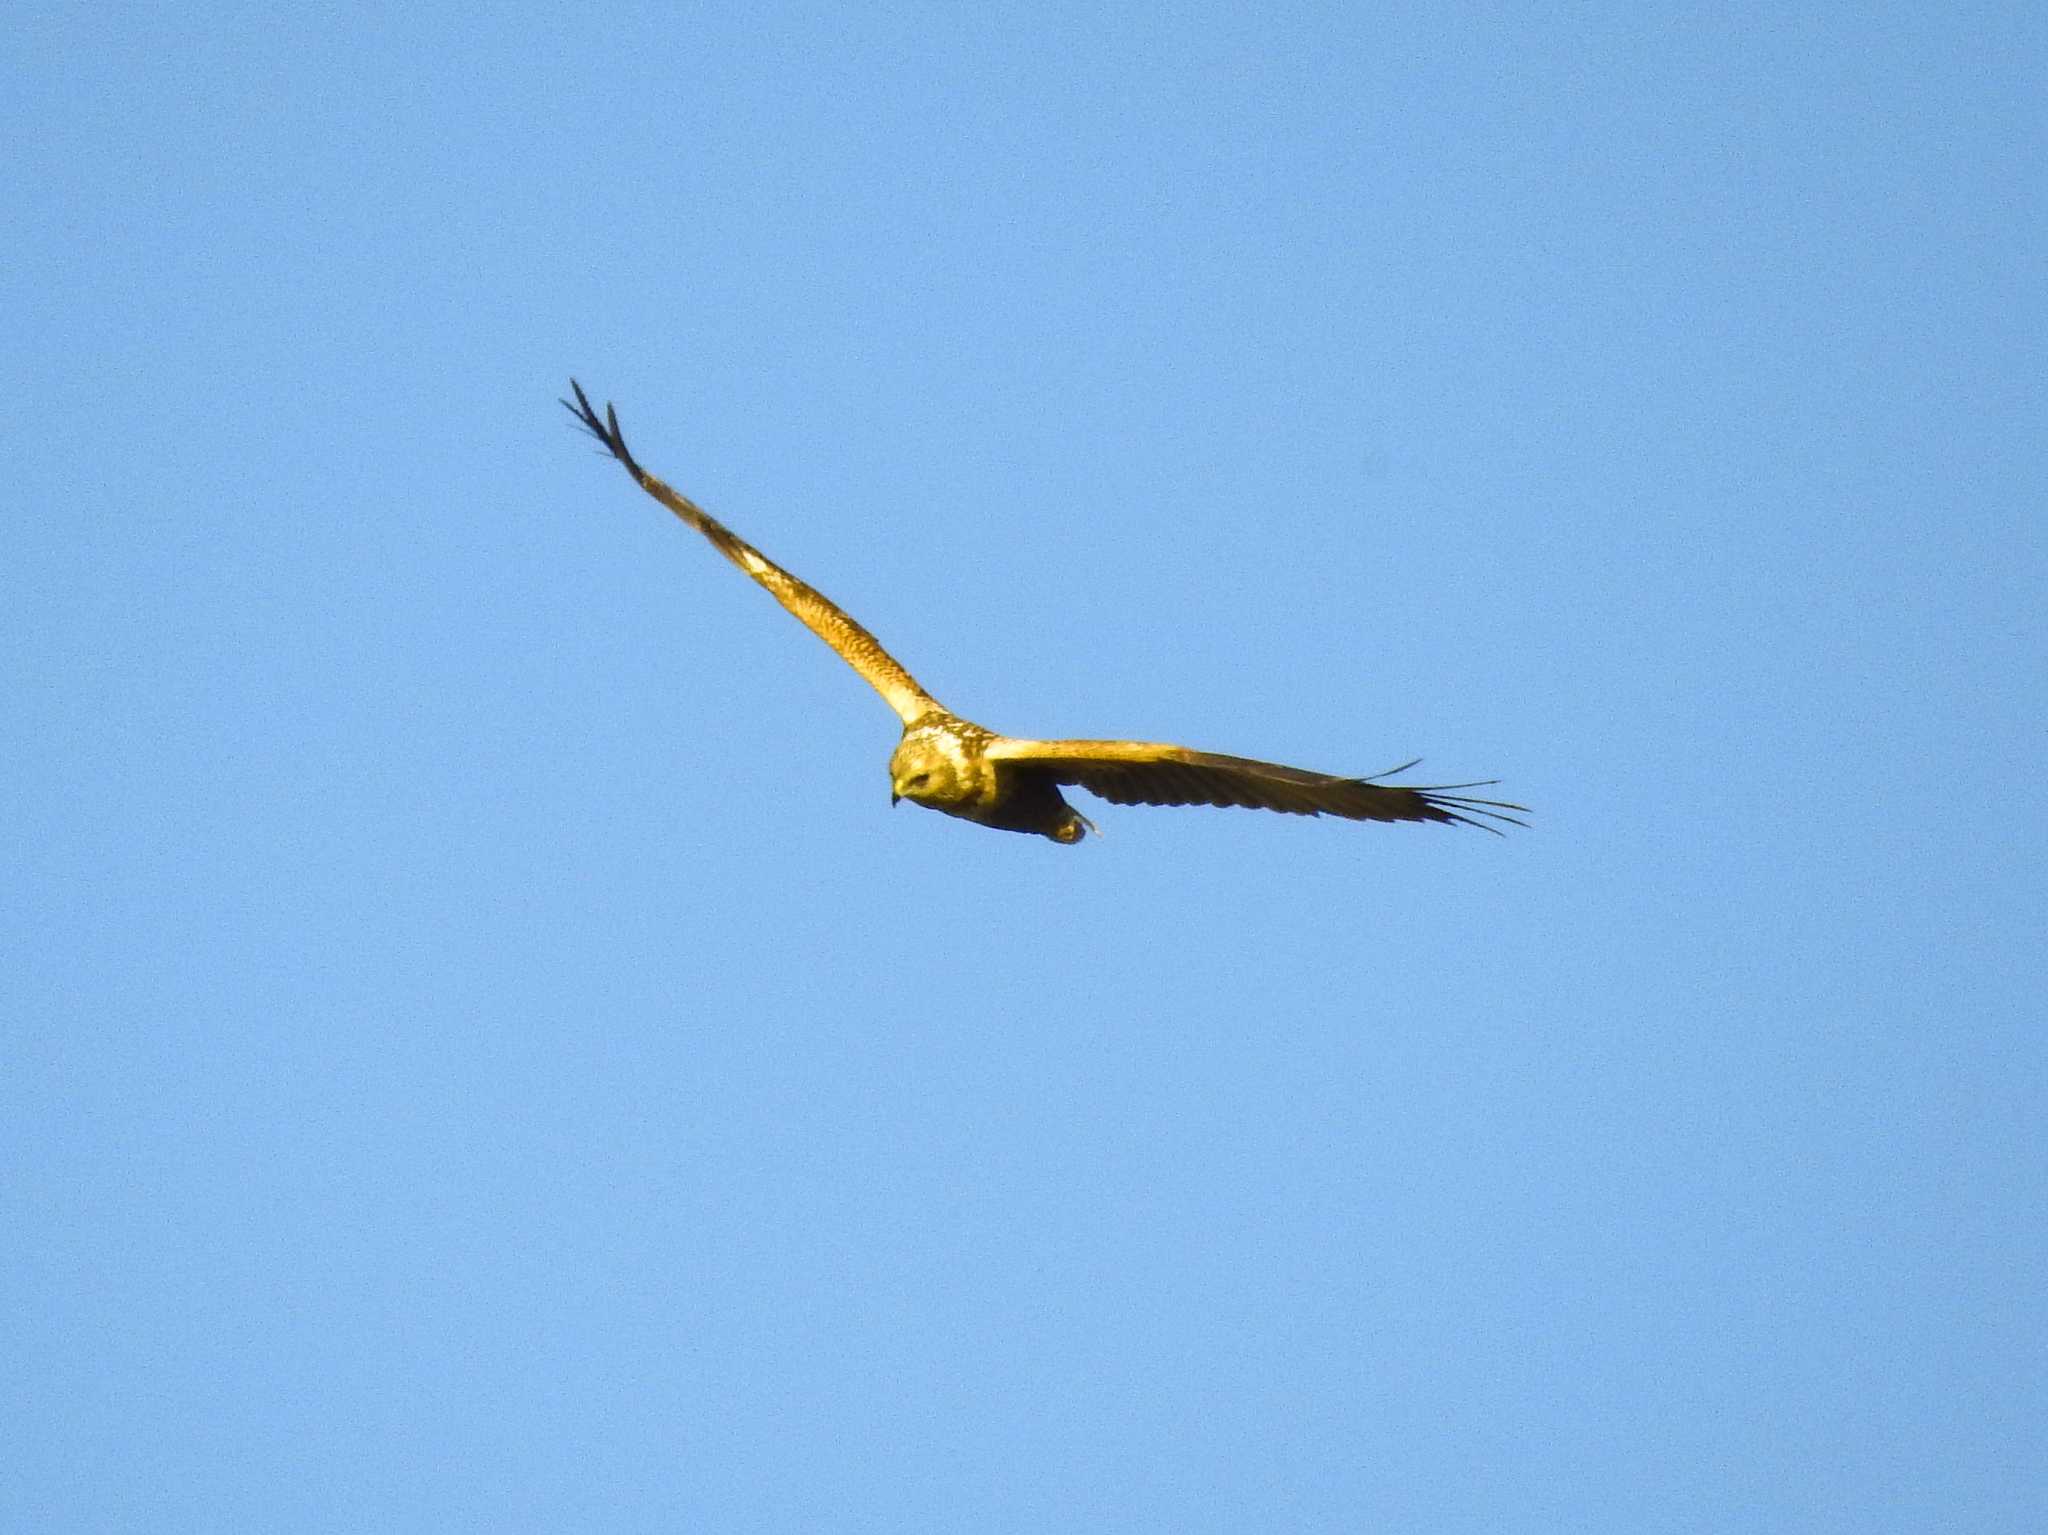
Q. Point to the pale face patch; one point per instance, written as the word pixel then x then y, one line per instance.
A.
pixel 940 765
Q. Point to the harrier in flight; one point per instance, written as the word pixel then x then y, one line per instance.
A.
pixel 947 763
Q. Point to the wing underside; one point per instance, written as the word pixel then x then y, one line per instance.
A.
pixel 817 612
pixel 1152 773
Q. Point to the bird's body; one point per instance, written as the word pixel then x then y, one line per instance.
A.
pixel 946 763
pixel 951 764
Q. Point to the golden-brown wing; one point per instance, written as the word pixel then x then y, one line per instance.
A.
pixel 818 613
pixel 1148 773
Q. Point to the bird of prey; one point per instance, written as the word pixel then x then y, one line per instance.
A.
pixel 947 763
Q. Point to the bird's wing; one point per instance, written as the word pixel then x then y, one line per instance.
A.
pixel 818 613
pixel 1148 773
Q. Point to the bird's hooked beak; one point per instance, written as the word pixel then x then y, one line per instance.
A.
pixel 894 799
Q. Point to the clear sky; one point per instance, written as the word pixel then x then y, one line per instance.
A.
pixel 480 1051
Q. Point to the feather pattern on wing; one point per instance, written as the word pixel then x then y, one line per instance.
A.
pixel 1151 773
pixel 817 612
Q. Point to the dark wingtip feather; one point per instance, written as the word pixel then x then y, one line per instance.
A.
pixel 605 429
pixel 586 418
pixel 1450 808
pixel 1456 809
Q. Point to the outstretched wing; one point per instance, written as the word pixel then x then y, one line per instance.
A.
pixel 1147 773
pixel 818 613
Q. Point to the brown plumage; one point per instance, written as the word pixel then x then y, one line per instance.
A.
pixel 953 765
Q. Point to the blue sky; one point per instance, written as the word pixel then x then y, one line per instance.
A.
pixel 480 1052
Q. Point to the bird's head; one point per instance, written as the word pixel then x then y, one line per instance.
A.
pixel 924 771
